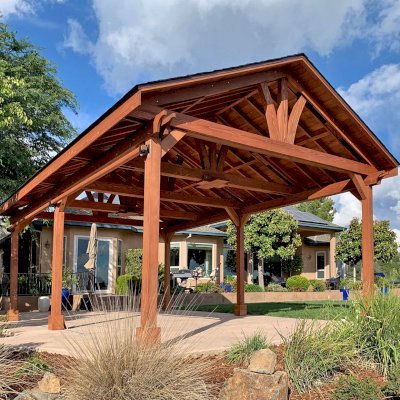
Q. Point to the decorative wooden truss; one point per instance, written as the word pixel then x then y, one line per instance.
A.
pixel 200 149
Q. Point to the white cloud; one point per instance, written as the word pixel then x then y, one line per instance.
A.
pixel 376 97
pixel 384 30
pixel 386 204
pixel 158 38
pixel 15 7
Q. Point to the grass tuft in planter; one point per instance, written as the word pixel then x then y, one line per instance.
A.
pixel 241 352
pixel 314 352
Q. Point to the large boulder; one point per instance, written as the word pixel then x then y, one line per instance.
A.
pixel 263 362
pixel 49 384
pixel 259 381
pixel 247 385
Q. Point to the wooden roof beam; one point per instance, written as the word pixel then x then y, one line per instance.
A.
pixel 126 210
pixel 198 175
pixel 124 190
pixel 207 130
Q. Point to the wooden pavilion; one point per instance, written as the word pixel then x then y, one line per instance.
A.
pixel 195 150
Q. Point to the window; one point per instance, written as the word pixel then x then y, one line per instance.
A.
pixel 200 255
pixel 119 258
pixel 320 261
pixel 174 255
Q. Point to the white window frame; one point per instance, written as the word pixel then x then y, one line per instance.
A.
pixel 319 252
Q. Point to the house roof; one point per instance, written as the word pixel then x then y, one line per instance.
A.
pixel 309 220
pixel 318 240
pixel 221 115
pixel 304 220
pixel 201 230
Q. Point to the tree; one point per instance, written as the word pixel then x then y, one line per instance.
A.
pixel 269 234
pixel 323 208
pixel 349 247
pixel 32 124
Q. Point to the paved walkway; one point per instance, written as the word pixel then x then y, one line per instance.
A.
pixel 197 332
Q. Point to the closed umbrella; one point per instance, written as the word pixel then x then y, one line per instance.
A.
pixel 92 252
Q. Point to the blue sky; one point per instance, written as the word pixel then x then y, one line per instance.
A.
pixel 102 48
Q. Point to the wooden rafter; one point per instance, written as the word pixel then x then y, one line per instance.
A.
pixel 108 187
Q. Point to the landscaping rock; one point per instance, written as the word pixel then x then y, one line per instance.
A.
pixel 247 385
pixel 263 362
pixel 50 384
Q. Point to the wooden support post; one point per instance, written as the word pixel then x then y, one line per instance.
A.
pixel 240 306
pixel 367 243
pixel 13 313
pixel 332 256
pixel 167 272
pixel 148 331
pixel 56 319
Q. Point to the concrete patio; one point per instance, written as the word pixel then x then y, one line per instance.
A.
pixel 198 332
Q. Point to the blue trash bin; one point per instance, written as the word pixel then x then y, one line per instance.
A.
pixel 345 294
pixel 65 297
pixel 385 290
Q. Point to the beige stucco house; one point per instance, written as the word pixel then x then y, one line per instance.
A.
pixel 204 246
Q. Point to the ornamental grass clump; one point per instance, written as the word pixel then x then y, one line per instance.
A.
pixel 314 352
pixel 10 382
pixel 113 363
pixel 375 323
pixel 241 352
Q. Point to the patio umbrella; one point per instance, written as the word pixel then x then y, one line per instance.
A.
pixel 92 252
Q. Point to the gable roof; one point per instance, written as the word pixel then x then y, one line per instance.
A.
pixel 228 98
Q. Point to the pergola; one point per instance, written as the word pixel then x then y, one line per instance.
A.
pixel 199 149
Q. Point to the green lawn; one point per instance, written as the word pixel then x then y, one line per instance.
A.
pixel 296 309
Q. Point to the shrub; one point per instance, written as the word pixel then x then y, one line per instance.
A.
pixel 114 365
pixel 352 388
pixel 124 284
pixel 251 287
pixel 349 283
pixel 241 352
pixel 375 323
pixel 275 287
pixel 297 283
pixel 317 285
pixel 293 266
pixel 208 287
pixel 314 353
pixel 133 263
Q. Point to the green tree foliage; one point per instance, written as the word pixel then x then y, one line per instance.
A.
pixel 323 208
pixel 349 247
pixel 32 124
pixel 269 234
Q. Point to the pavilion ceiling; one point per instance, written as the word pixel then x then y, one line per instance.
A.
pixel 202 175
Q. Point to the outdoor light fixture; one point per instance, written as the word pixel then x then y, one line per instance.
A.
pixel 144 150
pixel 47 245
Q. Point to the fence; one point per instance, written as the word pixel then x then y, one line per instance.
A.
pixel 28 284
pixel 39 284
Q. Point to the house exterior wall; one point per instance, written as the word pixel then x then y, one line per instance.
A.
pixel 309 257
pixel 130 240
